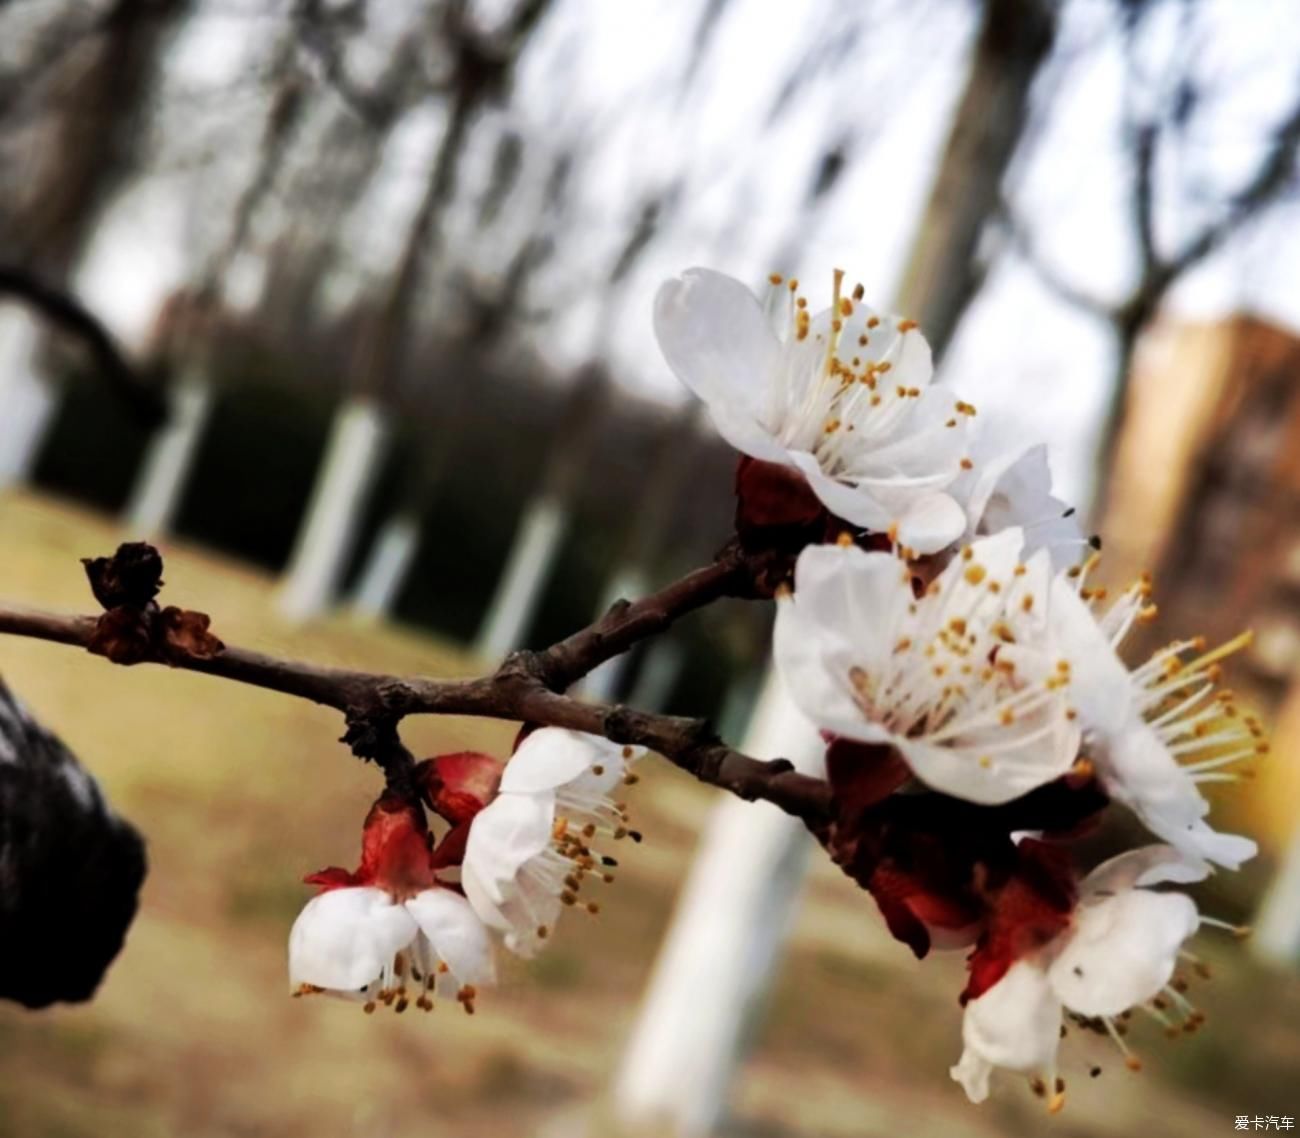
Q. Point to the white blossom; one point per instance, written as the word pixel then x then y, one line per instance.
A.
pixel 960 680
pixel 844 397
pixel 361 942
pixel 530 850
pixel 1119 952
pixel 1159 731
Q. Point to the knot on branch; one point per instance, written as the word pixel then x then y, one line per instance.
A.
pixel 133 629
pixel 132 577
pixel 374 739
pixel 525 664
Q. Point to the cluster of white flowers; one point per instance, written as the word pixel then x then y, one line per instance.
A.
pixel 940 626
pixel 987 664
pixel 416 920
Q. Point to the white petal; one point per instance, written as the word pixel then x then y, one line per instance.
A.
pixel 1016 1024
pixel 553 757
pixel 1012 487
pixel 716 338
pixel 344 938
pixel 844 612
pixel 1122 950
pixel 852 503
pixel 991 463
pixel 972 1071
pixel 1137 768
pixel 455 933
pixel 1199 839
pixel 505 834
pixel 932 522
pixel 989 774
pixel 1100 686
pixel 1150 865
pixel 846 592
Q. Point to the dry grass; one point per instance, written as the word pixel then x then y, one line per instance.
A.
pixel 240 792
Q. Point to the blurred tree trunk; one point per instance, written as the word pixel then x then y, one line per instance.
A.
pixel 188 321
pixel 481 74
pixel 386 568
pixel 329 529
pixel 1277 926
pixel 943 270
pixel 545 521
pixel 667 476
pixel 156 496
pixel 738 902
pixel 85 149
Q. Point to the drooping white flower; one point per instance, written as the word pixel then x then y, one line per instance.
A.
pixel 1155 733
pixel 1119 952
pixel 362 942
pixel 390 931
pixel 844 397
pixel 960 681
pixel 530 849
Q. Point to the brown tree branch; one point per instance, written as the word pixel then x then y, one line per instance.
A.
pixel 527 687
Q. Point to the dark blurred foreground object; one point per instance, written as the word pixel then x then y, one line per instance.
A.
pixel 70 869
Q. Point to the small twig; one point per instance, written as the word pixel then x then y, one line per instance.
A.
pixel 527 687
pixel 626 622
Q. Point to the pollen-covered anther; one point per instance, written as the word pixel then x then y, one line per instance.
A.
pixel 466 997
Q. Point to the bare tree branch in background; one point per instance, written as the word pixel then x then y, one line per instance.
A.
pixel 90 143
pixel 1158 270
pixel 480 73
pixel 287 105
pixel 943 272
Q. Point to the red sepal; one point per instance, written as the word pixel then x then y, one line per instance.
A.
pixel 459 785
pixel 1025 912
pixel 769 494
pixel 335 877
pixel 862 774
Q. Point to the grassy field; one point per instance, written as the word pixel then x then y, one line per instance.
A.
pixel 240 792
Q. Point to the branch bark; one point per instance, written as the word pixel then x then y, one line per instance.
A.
pixel 527 687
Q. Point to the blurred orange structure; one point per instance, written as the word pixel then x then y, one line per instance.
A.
pixel 1205 491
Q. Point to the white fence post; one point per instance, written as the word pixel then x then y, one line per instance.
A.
pixel 347 472
pixel 160 484
pixel 523 580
